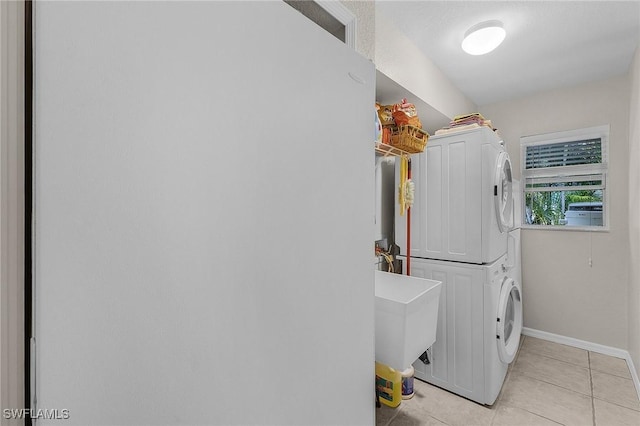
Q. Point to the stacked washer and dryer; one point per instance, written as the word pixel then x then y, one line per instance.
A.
pixel 460 234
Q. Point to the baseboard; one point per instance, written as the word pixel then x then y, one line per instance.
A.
pixel 589 346
pixel 576 343
pixel 634 373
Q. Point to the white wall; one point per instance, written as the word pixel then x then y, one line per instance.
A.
pixel 561 293
pixel 365 12
pixel 634 212
pixel 11 205
pixel 401 60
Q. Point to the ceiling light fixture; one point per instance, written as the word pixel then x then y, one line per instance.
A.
pixel 483 37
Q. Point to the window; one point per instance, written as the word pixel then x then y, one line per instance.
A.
pixel 564 179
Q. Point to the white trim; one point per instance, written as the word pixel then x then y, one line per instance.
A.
pixel 576 343
pixel 589 346
pixel 564 188
pixel 566 228
pixel 601 131
pixel 344 16
pixel 634 373
pixel 12 204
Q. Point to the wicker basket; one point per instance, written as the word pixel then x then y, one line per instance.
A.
pixel 386 134
pixel 410 139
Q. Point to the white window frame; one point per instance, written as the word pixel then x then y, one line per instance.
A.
pixel 345 17
pixel 548 174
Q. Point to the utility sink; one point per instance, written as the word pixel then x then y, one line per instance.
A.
pixel 406 315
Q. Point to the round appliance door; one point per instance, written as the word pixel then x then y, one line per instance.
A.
pixel 503 193
pixel 509 322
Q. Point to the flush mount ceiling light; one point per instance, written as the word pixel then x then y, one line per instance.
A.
pixel 483 37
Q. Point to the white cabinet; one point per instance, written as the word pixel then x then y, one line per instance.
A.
pixel 456 356
pixel 457 188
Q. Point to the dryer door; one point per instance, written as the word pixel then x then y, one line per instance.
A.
pixel 509 320
pixel 503 192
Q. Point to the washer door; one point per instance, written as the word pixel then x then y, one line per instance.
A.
pixel 509 321
pixel 503 192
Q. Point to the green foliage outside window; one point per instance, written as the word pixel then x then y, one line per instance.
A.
pixel 548 208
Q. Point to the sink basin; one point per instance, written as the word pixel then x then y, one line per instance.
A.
pixel 406 315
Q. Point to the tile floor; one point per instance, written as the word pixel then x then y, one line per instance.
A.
pixel 547 384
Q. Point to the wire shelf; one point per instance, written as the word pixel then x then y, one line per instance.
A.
pixel 388 150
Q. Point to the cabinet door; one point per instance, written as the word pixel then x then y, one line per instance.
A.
pixel 457 355
pixel 438 369
pixel 194 162
pixel 446 220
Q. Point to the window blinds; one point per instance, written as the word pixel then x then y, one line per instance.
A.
pixel 574 163
pixel 561 154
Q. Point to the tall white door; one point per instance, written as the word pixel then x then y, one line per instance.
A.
pixel 203 216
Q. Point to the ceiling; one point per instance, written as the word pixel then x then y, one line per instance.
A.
pixel 549 44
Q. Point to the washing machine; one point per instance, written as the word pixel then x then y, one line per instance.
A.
pixel 479 327
pixel 463 203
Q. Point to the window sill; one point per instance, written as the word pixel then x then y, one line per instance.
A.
pixel 567 228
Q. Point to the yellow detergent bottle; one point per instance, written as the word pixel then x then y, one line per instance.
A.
pixel 388 385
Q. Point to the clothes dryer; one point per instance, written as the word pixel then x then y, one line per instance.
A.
pixel 463 200
pixel 479 327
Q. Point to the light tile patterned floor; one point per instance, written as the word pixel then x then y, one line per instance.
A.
pixel 547 384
